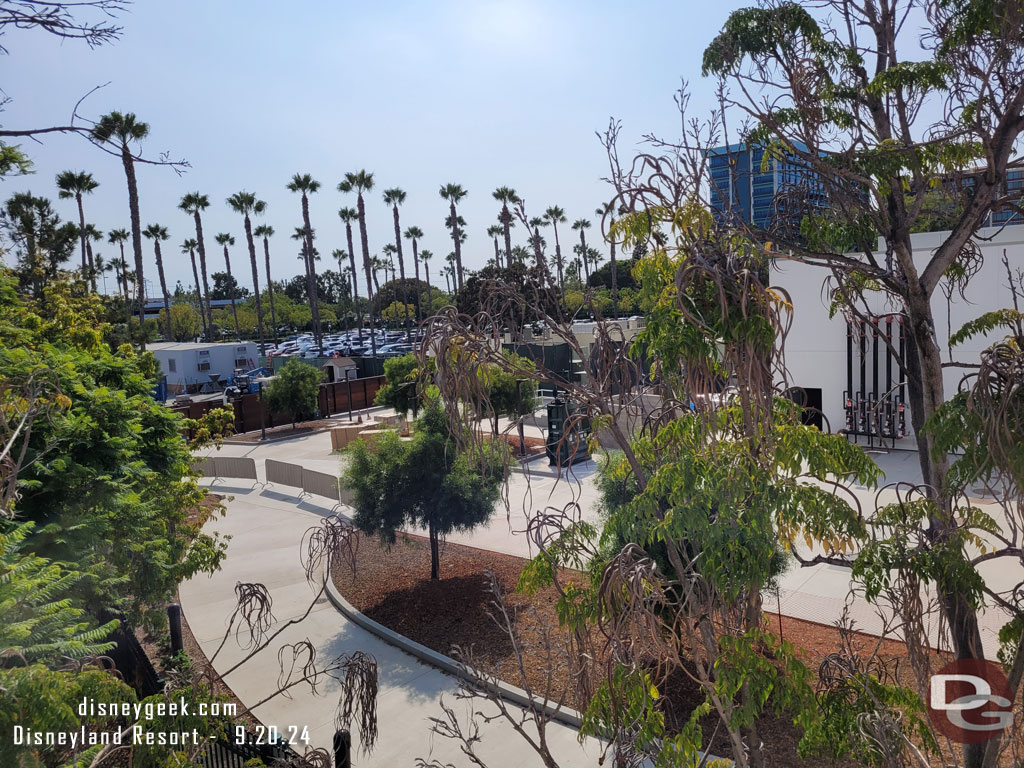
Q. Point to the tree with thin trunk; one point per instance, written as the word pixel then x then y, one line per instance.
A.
pixel 92 235
pixel 582 225
pixel 414 234
pixel 454 193
pixel 194 204
pixel 425 257
pixel 348 215
pixel 75 184
pixel 555 216
pixel 266 232
pixel 395 197
pixel 119 130
pixel 246 204
pixel 189 246
pixel 378 264
pixel 359 182
pixel 157 234
pixel 506 196
pixel 306 185
pixel 119 237
pixel 226 240
pixel 607 212
pixel 538 242
pixel 494 232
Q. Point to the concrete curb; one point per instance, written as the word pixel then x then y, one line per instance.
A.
pixel 510 693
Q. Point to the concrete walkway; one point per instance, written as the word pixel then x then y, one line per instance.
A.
pixel 266 529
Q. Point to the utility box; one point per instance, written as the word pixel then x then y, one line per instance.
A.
pixel 567 435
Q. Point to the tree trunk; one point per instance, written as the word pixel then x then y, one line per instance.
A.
pixel 86 262
pixel 401 271
pixel 163 285
pixel 270 286
pixel 355 279
pixel 231 290
pixel 583 255
pixel 255 282
pixel 202 266
pixel 419 296
pixel 430 298
pixel 314 301
pixel 366 266
pixel 435 554
pixel 133 207
pixel 506 223
pixel 92 270
pixel 199 292
pixel 497 254
pixel 456 238
pixel 124 287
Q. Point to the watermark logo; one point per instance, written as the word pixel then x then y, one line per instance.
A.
pixel 970 701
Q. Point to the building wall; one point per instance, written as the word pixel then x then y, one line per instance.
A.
pixel 816 348
pixel 187 358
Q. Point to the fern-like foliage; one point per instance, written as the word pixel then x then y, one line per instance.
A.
pixel 38 621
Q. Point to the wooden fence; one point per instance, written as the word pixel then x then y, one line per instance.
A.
pixel 335 397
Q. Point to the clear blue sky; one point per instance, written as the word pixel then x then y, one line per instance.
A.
pixel 484 93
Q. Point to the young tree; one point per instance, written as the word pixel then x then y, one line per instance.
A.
pixel 426 482
pixel 295 390
pixel 156 233
pixel 400 390
pixel 121 129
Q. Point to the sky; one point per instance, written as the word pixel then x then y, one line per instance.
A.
pixel 483 93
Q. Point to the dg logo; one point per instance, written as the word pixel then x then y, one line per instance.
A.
pixel 969 701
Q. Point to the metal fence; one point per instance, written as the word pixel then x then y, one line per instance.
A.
pixel 282 473
pixel 226 466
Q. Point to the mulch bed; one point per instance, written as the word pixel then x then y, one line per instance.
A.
pixel 393 588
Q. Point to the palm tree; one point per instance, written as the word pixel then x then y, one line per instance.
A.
pixel 266 232
pixel 120 129
pixel 378 264
pixel 555 216
pixel 189 246
pixel 608 210
pixel 307 185
pixel 389 251
pixel 450 271
pixel 425 257
pixel 506 196
pixel 194 203
pixel 246 204
pixel 348 215
pixel 119 236
pixel 395 197
pixel 74 184
pixel 414 234
pixel 520 254
pixel 538 242
pixel 361 181
pixel 226 240
pixel 454 193
pixel 494 231
pixel 583 225
pixel 92 234
pixel 156 233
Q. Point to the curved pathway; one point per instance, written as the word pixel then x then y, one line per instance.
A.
pixel 266 529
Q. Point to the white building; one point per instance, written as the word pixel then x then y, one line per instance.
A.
pixel 189 365
pixel 824 359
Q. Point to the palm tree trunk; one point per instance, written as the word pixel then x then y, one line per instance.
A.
pixel 124 285
pixel 199 292
pixel 430 298
pixel 401 269
pixel 270 287
pixel 583 255
pixel 255 282
pixel 202 265
pixel 133 208
pixel 86 262
pixel 456 237
pixel 361 207
pixel 506 223
pixel 497 254
pixel 231 289
pixel 163 285
pixel 314 302
pixel 419 297
pixel 355 279
pixel 92 269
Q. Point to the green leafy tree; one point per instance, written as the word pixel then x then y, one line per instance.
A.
pixel 400 390
pixel 394 313
pixel 184 323
pixel 295 389
pixel 425 482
